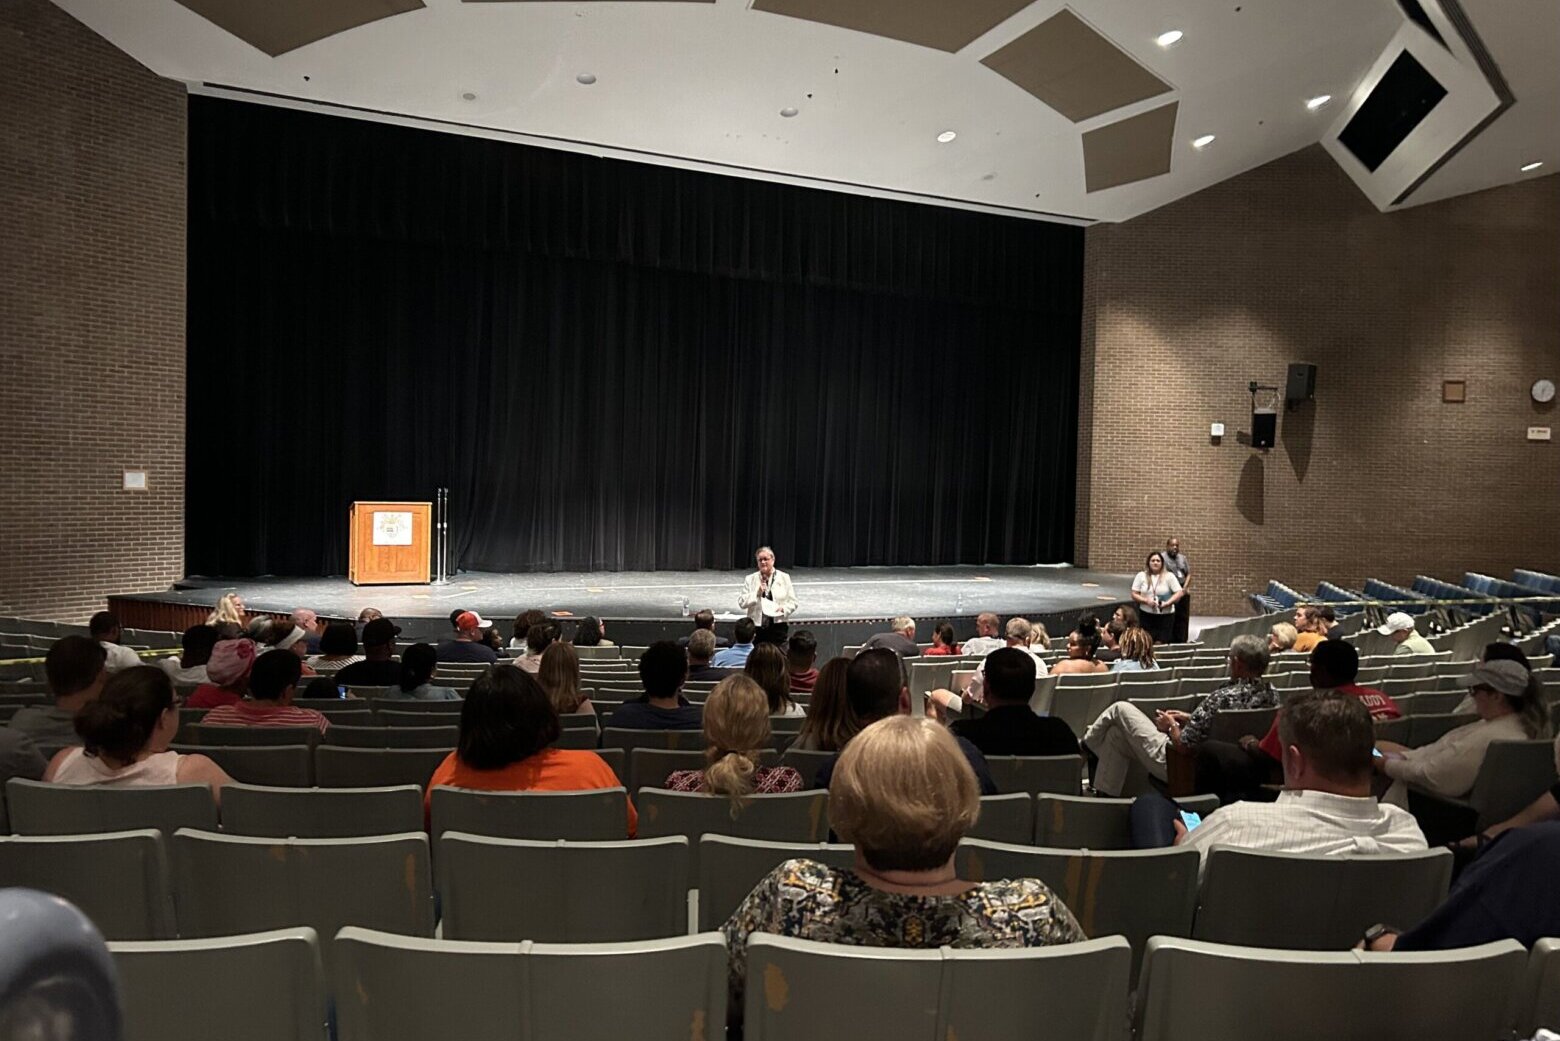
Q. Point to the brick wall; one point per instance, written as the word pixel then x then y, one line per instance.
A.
pixel 1377 477
pixel 91 317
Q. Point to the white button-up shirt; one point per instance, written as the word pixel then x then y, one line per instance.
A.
pixel 1309 823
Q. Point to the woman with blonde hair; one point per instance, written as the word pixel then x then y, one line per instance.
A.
pixel 229 611
pixel 1282 637
pixel 736 732
pixel 1039 638
pixel 904 795
pixel 1137 652
pixel 559 675
pixel 830 723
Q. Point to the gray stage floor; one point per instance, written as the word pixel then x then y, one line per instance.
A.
pixel 823 593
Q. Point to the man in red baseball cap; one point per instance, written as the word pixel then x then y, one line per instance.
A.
pixel 467 644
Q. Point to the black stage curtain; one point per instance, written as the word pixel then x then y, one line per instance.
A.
pixel 613 366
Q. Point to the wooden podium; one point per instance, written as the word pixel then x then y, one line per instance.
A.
pixel 389 543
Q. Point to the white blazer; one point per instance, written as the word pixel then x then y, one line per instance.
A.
pixel 781 591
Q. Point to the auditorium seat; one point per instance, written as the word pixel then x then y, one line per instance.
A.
pixel 683 740
pixel 1082 822
pixel 119 879
pixel 265 986
pixel 1183 703
pixel 320 813
pixel 392 737
pixel 402 718
pixel 1393 729
pixel 649 767
pixel 1133 893
pixel 204 734
pixel 276 766
pixel 577 739
pixel 729 868
pixel 50 809
pixel 1195 688
pixel 1315 902
pixel 230 884
pixel 1511 776
pixel 1538 1003
pixel 1058 774
pixel 577 720
pixel 578 816
pixel 1426 728
pixel 799 990
pixel 402 988
pixel 1005 818
pixel 435 708
pixel 795 817
pixel 1241 993
pixel 806 763
pixel 1079 705
pixel 572 892
pixel 1231 724
pixel 375 767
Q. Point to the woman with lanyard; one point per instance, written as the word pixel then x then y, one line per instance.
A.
pixel 1156 592
pixel 768 598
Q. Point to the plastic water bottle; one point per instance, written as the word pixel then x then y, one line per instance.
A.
pixel 686 604
pixel 958 604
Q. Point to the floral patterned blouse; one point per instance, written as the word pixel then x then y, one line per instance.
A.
pixel 767 780
pixel 812 901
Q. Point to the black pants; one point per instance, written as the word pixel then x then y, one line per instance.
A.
pixel 1160 626
pixel 1234 773
pixel 1183 619
pixel 1152 820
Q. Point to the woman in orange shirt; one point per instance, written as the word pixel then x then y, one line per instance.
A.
pixel 506 727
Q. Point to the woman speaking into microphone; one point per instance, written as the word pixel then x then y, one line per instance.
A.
pixel 768 598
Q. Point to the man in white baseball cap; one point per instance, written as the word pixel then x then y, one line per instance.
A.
pixel 1400 627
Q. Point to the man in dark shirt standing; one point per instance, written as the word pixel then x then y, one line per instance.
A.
pixel 876 689
pixel 1009 726
pixel 662 670
pixel 378 667
pixel 901 640
pixel 1178 565
pixel 467 644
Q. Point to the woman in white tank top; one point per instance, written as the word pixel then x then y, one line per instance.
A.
pixel 126 733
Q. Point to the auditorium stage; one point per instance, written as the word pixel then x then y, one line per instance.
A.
pixel 839 604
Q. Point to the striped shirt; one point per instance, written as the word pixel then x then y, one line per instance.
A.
pixel 264 714
pixel 1308 822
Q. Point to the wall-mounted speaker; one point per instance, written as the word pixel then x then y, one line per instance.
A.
pixel 1264 427
pixel 1301 385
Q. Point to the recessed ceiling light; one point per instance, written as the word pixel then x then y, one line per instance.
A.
pixel 586 78
pixel 468 96
pixel 788 112
pixel 946 136
pixel 1203 142
pixel 1169 39
pixel 1318 101
pixel 1530 167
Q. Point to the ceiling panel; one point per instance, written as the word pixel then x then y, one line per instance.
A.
pixel 945 25
pixel 1066 64
pixel 1133 149
pixel 279 26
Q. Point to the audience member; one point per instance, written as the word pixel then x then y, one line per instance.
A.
pixel 493 641
pixel 228 612
pixel 1180 565
pixel 1018 633
pixel 592 632
pixel 104 627
pixel 467 646
pixel 273 683
pixel 523 622
pixel 944 643
pixel 190 665
pixel 1156 592
pixel 378 667
pixel 736 733
pixel 368 614
pixel 1137 653
pixel 1311 626
pixel 125 733
pixel 900 639
pixel 559 675
pixel 416 680
pixel 1510 705
pixel 1039 638
pixel 830 723
pixel 20 757
pixel 1109 650
pixel 766 667
pixel 986 638
pixel 1508 893
pixel 76 670
pixel 1083 644
pixel 1009 726
pixel 228 671
pixel 1399 627
pixel 736 656
pixel 309 621
pixel 338 648
pixel 701 648
pixel 507 726
pixel 1497 651
pixel 801 653
pixel 704 618
pixel 538 638
pixel 1123 733
pixel 662 670
pixel 1281 638
pixel 875 687
pixel 285 636
pixel 904 797
pixel 1326 807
